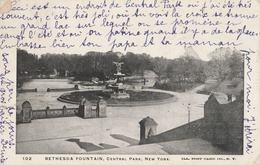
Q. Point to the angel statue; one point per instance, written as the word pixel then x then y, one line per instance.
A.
pixel 118 66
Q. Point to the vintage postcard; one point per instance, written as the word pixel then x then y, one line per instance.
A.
pixel 129 82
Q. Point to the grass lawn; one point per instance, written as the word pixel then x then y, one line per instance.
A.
pixel 135 96
pixel 233 86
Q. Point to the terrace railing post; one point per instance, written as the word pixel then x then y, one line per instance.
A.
pixel 64 110
pixel 26 112
pixel 47 109
pixel 101 110
pixel 85 108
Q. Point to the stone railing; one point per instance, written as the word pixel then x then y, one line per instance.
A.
pixel 21 90
pixel 85 110
pixel 60 89
pixel 53 113
pixel 76 87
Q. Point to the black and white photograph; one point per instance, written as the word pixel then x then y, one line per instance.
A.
pixel 114 103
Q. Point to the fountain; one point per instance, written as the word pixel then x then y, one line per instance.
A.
pixel 118 89
pixel 115 94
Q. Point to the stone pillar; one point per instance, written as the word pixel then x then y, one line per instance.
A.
pixel 101 110
pixel 47 109
pixel 147 128
pixel 85 108
pixel 26 112
pixel 64 110
pixel 81 107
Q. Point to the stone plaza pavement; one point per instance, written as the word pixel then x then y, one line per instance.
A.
pixel 120 129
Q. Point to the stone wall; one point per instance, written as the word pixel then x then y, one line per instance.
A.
pixel 222 125
pixel 225 124
pixel 194 129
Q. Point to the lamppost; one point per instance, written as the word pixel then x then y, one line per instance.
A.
pixel 188 107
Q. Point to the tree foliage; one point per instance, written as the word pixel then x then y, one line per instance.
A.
pixel 26 63
pixel 224 63
pixel 83 67
pixel 187 69
pixel 160 66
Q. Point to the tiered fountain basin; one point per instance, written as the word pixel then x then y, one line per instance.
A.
pixel 137 97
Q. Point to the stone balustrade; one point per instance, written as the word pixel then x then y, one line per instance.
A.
pixel 84 110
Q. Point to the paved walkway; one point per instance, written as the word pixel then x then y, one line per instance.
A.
pixel 120 129
pixel 195 146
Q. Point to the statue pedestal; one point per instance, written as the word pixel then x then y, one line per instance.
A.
pixel 119 91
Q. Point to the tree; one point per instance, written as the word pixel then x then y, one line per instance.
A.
pixel 144 63
pixel 109 67
pixel 176 70
pixel 236 65
pixel 95 59
pixel 218 65
pixel 27 65
pixel 130 63
pixel 160 66
pixel 26 62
